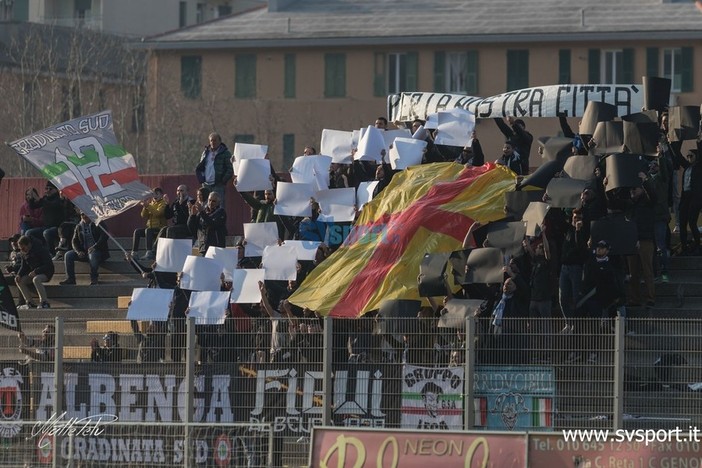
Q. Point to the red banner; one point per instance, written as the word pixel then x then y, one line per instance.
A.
pixel 347 448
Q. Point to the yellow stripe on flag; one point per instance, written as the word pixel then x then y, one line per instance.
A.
pixel 425 209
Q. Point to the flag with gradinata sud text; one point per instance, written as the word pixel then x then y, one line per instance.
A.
pixel 83 159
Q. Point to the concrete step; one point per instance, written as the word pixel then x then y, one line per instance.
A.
pixel 111 265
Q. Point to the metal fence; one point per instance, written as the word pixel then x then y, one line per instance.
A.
pixel 248 394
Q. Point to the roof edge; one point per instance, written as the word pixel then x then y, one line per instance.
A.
pixel 419 40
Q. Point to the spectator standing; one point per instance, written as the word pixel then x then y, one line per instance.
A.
pixel 515 131
pixel 510 158
pixel 215 169
pixel 89 245
pixel 30 218
pixel 659 172
pixel 573 255
pixel 36 268
pixel 154 212
pixel 472 155
pixel 599 297
pixel 41 349
pixel 541 292
pixel 691 201
pixel 208 223
pixel 641 265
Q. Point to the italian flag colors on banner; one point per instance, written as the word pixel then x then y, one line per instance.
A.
pixel 425 209
pixel 82 158
pixel 542 412
pixel 432 398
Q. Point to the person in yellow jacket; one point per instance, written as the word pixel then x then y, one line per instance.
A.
pixel 154 212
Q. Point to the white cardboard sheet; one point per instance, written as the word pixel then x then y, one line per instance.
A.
pixel 208 307
pixel 201 274
pixel 293 199
pixel 245 286
pixel 258 236
pixel 171 254
pixel 279 263
pixel 337 144
pixel 150 304
pixel 406 152
pixel 247 151
pixel 254 174
pixel 227 258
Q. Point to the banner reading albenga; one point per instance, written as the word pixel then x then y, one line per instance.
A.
pixel 83 159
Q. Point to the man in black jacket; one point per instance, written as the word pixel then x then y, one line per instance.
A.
pixel 54 211
pixel 89 245
pixel 179 211
pixel 36 268
pixel 515 131
pixel 208 223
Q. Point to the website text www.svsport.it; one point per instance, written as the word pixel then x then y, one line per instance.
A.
pixel 645 436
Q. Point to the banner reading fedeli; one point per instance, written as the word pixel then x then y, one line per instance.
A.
pixel 425 209
pixel 540 101
pixel 83 159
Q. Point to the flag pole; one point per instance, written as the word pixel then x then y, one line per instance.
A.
pixel 132 261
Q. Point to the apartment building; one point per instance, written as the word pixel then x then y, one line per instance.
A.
pixel 279 74
pixel 131 18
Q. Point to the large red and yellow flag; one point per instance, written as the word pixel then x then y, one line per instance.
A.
pixel 425 209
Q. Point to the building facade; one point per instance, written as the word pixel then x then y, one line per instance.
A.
pixel 279 75
pixel 132 18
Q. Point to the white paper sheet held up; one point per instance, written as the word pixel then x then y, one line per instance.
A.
pixel 254 174
pixel 337 144
pixel 247 151
pixel 171 254
pixel 406 152
pixel 150 304
pixel 293 199
pixel 208 307
pixel 279 263
pixel 227 258
pixel 258 236
pixel 201 274
pixel 337 204
pixel 245 286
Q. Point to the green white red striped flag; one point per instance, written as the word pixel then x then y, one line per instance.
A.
pixel 542 412
pixel 82 158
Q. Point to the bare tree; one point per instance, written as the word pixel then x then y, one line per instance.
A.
pixel 52 74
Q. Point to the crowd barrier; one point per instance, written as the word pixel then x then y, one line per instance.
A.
pixel 215 395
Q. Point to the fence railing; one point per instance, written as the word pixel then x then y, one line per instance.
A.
pixel 245 394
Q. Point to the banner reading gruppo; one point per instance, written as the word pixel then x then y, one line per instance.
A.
pixel 540 101
pixel 83 159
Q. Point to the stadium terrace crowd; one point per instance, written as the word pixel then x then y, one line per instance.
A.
pixel 553 280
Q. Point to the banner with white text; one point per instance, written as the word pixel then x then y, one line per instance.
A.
pixel 83 159
pixel 540 101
